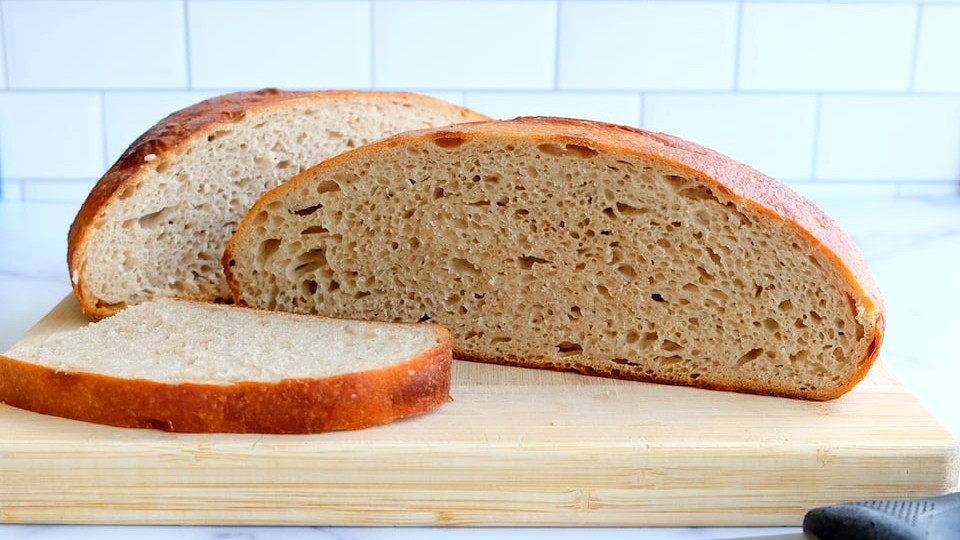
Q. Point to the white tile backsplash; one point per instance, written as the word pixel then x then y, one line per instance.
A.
pixel 821 47
pixel 650 45
pixel 772 133
pixel 291 44
pixel 929 190
pixel 938 57
pixel 11 189
pixel 824 192
pixel 128 114
pixel 476 44
pixel 57 190
pixel 621 108
pixel 901 138
pixel 94 44
pixel 50 135
pixel 3 54
pixel 841 95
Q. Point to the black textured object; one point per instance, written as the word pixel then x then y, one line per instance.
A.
pixel 936 518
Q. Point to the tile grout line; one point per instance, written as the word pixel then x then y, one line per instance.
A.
pixel 815 154
pixel 6 87
pixel 186 45
pixel 6 49
pixel 643 110
pixel 556 45
pixel 32 276
pixel 17 185
pixel 103 131
pixel 917 28
pixel 737 47
pixel 373 44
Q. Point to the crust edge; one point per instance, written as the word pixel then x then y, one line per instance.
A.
pixel 294 406
pixel 174 132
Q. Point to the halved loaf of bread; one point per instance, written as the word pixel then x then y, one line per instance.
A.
pixel 196 367
pixel 156 224
pixel 573 245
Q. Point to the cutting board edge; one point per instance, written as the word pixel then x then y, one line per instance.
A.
pixel 458 490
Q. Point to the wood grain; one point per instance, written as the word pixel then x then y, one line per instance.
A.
pixel 516 447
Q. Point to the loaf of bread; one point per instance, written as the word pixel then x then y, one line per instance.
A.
pixel 573 245
pixel 196 367
pixel 156 224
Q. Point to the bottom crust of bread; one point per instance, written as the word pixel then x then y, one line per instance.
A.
pixel 343 402
pixel 732 385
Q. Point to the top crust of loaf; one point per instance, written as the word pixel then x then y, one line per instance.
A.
pixel 731 179
pixel 177 131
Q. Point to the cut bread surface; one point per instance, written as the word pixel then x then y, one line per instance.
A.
pixel 174 342
pixel 573 245
pixel 188 366
pixel 157 222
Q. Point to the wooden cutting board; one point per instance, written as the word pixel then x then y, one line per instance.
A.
pixel 515 447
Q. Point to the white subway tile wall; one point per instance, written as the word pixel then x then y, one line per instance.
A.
pixel 3 55
pixel 51 135
pixel 833 97
pixel 938 67
pixel 53 44
pixel 464 44
pixel 771 132
pixel 903 138
pixel 293 44
pixel 647 45
pixel 821 47
pixel 619 108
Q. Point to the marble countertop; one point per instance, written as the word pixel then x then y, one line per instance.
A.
pixel 911 244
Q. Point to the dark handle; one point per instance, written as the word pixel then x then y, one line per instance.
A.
pixel 935 518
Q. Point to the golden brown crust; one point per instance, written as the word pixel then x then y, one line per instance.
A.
pixel 350 401
pixel 176 131
pixel 736 180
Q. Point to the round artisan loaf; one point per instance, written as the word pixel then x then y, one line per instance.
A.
pixel 156 224
pixel 574 245
pixel 196 367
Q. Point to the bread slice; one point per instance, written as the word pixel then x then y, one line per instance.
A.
pixel 195 367
pixel 573 245
pixel 156 224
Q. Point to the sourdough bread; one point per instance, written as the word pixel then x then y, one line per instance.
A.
pixel 195 367
pixel 157 222
pixel 573 245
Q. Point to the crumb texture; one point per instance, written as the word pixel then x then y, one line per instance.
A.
pixel 541 251
pixel 185 366
pixel 163 230
pixel 172 341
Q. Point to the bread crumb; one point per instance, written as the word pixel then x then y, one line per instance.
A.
pixel 149 157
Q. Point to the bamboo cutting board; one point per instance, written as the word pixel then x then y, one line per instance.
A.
pixel 515 447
